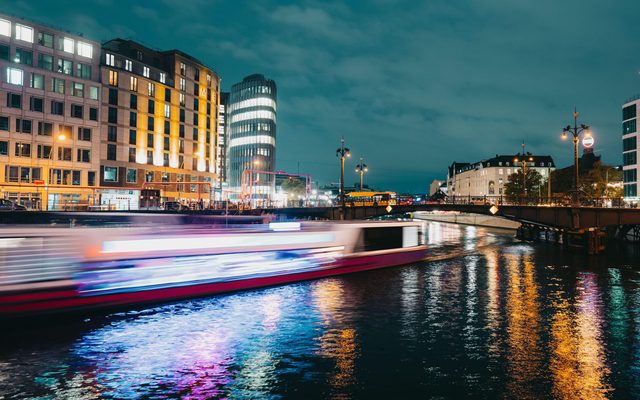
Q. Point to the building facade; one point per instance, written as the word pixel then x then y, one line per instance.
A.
pixel 49 123
pixel 488 177
pixel 159 129
pixel 251 139
pixel 630 150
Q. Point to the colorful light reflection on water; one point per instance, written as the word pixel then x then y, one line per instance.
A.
pixel 485 318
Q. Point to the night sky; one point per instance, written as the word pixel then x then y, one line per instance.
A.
pixel 412 85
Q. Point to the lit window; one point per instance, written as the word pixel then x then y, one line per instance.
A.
pixel 183 84
pixel 78 89
pixel 67 45
pixel 93 93
pixel 14 76
pixel 5 27
pixel 133 84
pixel 167 110
pixel 85 49
pixel 182 101
pixel 183 69
pixel 110 59
pixel 152 89
pixel 113 78
pixel 163 77
pixel 128 65
pixel 24 33
pixel 145 72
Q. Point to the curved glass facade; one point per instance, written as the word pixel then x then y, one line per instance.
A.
pixel 251 139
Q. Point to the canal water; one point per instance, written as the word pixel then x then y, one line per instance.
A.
pixel 485 317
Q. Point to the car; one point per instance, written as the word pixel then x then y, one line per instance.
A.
pixel 8 205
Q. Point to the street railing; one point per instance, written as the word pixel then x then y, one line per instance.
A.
pixel 541 201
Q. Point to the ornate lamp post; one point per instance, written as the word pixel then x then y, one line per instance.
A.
pixel 575 131
pixel 361 169
pixel 342 152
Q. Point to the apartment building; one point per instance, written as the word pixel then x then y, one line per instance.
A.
pixel 159 128
pixel 49 123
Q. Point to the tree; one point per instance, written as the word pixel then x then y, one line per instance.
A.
pixel 295 187
pixel 514 187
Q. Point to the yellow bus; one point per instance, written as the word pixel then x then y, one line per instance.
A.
pixel 369 199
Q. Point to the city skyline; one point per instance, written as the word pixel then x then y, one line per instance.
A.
pixel 412 88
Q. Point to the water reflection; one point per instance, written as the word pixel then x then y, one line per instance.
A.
pixel 487 317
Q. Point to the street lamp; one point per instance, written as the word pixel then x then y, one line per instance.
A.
pixel 361 169
pixel 524 160
pixel 575 131
pixel 342 152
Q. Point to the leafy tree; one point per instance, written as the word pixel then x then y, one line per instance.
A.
pixel 295 187
pixel 514 185
pixel 593 181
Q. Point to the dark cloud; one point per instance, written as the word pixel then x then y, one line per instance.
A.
pixel 411 85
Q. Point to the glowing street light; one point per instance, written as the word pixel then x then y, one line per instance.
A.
pixel 342 152
pixel 361 169
pixel 575 131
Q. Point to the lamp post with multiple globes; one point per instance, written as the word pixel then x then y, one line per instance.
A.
pixel 342 153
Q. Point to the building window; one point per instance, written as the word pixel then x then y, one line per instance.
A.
pixel 167 110
pixel 84 155
pixel 110 174
pixel 24 57
pixel 132 137
pixel 93 114
pixel 133 119
pixel 113 97
pixel 14 100
pixel 629 126
pixel 629 144
pixel 14 76
pixel 4 148
pixel 57 107
pixel 128 65
pixel 150 140
pixel 629 112
pixel 113 115
pixel 167 127
pixel 65 66
pixel 182 115
pixel 132 176
pixel 151 107
pixel 166 143
pixel 85 50
pixel 64 153
pixel 150 123
pixel 145 72
pixel 182 99
pixel 84 134
pixel 111 152
pixel 629 158
pixel 78 89
pixel 631 190
pixel 83 71
pixel 196 89
pixel 133 84
pixel 37 81
pixel 630 175
pixel 45 128
pixel 152 89
pixel 45 61
pixel 113 78
pixel 195 134
pixel 65 131
pixel 44 151
pixel 195 118
pixel 110 60
pixel 132 154
pixel 183 69
pixel 24 33
pixel 93 92
pixel 23 125
pixel 5 28
pixel 181 131
pixel 163 77
pixel 66 45
pixel 133 101
pixel 183 84
pixel 4 52
pixel 196 104
pixel 57 85
pixel 91 178
pixel 45 39
pixel 112 134
pixel 23 149
pixel 4 123
pixel 36 104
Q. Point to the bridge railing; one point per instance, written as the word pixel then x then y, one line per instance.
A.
pixel 541 201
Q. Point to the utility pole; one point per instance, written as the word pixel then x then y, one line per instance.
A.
pixel 361 169
pixel 342 152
